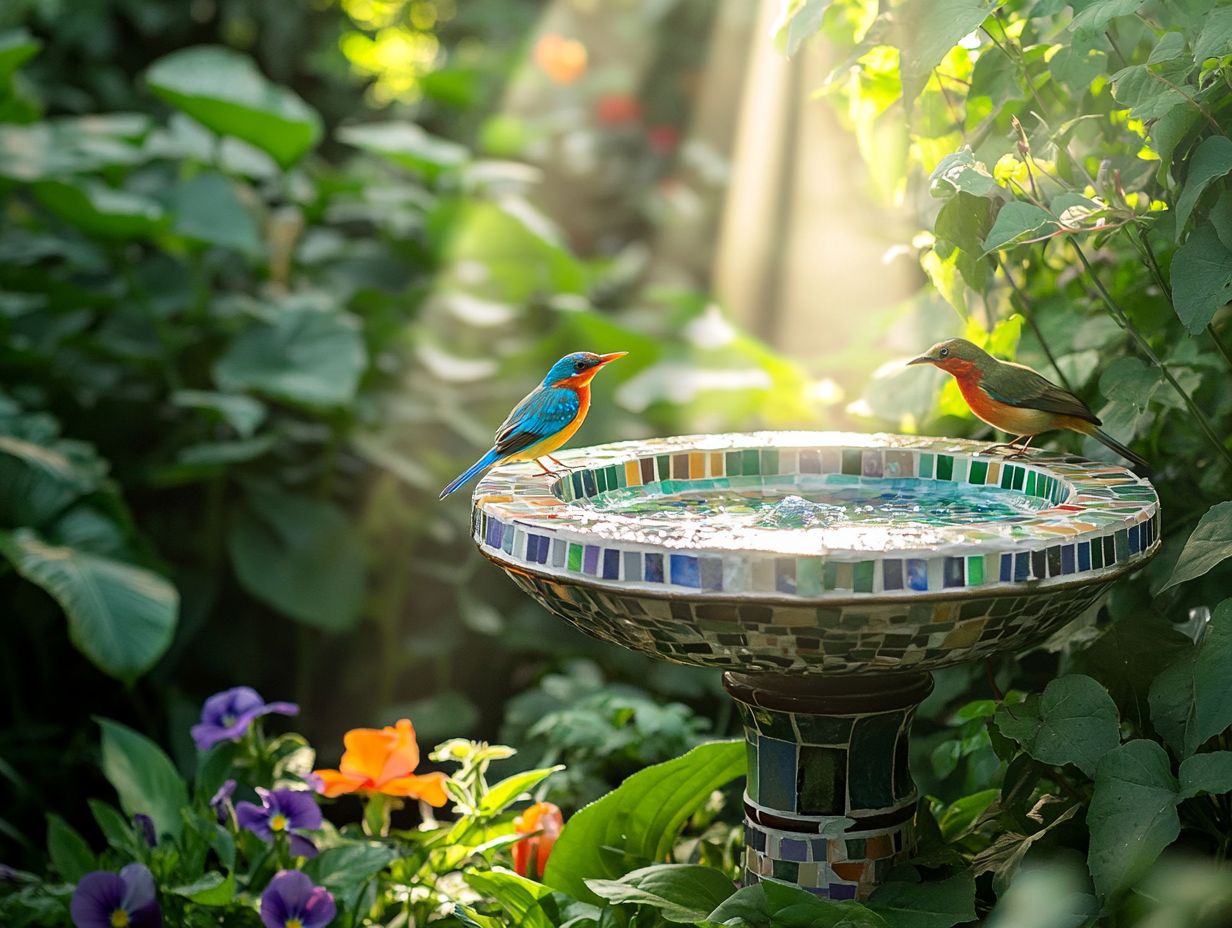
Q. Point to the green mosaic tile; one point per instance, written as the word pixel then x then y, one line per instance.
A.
pixel 575 558
pixel 769 461
pixel 945 467
pixel 751 462
pixel 978 473
pixel 664 466
pixel 734 461
pixel 926 465
pixel 975 571
pixel 808 576
pixel 863 576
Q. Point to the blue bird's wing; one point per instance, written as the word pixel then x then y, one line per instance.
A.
pixel 543 413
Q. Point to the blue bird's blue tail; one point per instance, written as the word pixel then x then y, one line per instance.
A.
pixel 482 464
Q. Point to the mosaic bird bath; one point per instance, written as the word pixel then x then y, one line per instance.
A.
pixel 826 574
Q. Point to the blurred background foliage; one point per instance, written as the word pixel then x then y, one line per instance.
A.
pixel 271 272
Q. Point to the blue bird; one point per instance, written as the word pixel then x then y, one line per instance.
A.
pixel 546 418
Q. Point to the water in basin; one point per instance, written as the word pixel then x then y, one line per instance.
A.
pixel 811 502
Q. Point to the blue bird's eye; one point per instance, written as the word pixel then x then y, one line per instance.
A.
pixel 579 365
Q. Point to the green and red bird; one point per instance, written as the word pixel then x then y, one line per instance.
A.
pixel 1015 399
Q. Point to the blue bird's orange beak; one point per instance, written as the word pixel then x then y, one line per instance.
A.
pixel 609 358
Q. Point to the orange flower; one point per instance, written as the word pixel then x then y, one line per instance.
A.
pixel 563 60
pixel 383 760
pixel 542 822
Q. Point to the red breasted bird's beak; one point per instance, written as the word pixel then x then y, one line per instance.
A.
pixel 609 358
pixel 922 359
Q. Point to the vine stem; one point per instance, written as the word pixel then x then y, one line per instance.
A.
pixel 1030 317
pixel 1144 346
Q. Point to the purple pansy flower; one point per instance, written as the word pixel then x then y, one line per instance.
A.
pixel 145 828
pixel 107 900
pixel 283 811
pixel 221 801
pixel 292 901
pixel 227 715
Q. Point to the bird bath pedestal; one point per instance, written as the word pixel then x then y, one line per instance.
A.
pixel 826 574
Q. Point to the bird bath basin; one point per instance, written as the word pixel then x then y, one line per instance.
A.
pixel 826 574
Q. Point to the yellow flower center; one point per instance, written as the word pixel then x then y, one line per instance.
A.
pixel 119 919
pixel 278 822
pixel 294 923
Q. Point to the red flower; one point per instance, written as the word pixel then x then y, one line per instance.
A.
pixel 617 109
pixel 542 822
pixel 663 138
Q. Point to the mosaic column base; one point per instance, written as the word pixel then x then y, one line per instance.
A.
pixel 830 803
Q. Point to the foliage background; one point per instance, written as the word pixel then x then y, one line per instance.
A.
pixel 237 367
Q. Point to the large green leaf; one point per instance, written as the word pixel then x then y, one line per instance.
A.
pixel 1128 656
pixel 1210 161
pixel 305 355
pixel 521 898
pixel 1208 545
pixel 120 616
pixel 68 145
pixel 638 821
pixel 17 46
pixel 799 21
pixel 1191 700
pixel 300 554
pixel 1201 277
pixel 1094 15
pixel 931 904
pixel 207 210
pixel 1215 39
pixel 512 788
pixel 223 90
pixel 405 144
pixel 1132 816
pixel 927 31
pixel 68 850
pixel 1018 222
pixel 343 869
pixel 684 893
pixel 99 210
pixel 1074 722
pixel 144 777
pixel 1206 773
pixel 775 905
pixel 38 482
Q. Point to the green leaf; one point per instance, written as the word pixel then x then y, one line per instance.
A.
pixel 120 616
pixel 1132 816
pixel 512 788
pixel 1129 655
pixel 68 850
pixel 299 554
pixel 207 210
pixel 1074 722
pixel 521 898
pixel 683 893
pixel 242 413
pixel 938 904
pixel 143 776
pixel 344 869
pixel 211 889
pixel 1208 545
pixel 406 144
pixel 99 210
pixel 776 905
pixel 305 356
pixel 37 482
pixel 224 91
pixel 961 173
pixel 1191 701
pixel 798 22
pixel 1145 92
pixel 17 47
pixel 1094 15
pixel 639 820
pixel 1215 39
pixel 1016 222
pixel 115 828
pixel 1206 773
pixel 1201 278
pixel 927 31
pixel 1211 160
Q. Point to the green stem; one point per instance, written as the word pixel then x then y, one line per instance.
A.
pixel 1144 346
